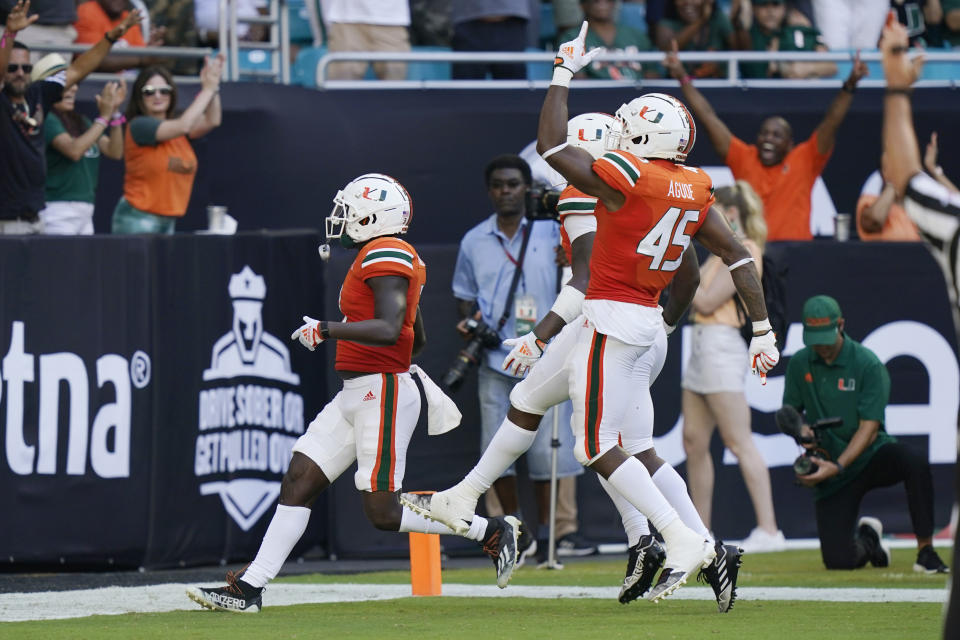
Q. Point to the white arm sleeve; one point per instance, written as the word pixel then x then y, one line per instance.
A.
pixel 577 225
pixel 568 304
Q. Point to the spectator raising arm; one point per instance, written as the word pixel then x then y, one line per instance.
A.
pixel 204 112
pixel 837 111
pixel 702 111
pixel 899 138
pixel 89 60
pixel 17 20
pixel 109 101
pixel 930 164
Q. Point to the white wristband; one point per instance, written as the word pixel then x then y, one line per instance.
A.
pixel 568 304
pixel 561 76
pixel 762 326
pixel 549 152
pixel 739 263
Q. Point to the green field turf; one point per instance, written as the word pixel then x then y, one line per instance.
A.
pixel 785 569
pixel 501 618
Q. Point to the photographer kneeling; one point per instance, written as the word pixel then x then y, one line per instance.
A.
pixel 843 388
pixel 505 281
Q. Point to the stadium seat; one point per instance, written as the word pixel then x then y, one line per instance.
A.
pixel 634 14
pixel 941 70
pixel 299 20
pixel 428 70
pixel 304 70
pixel 539 70
pixel 548 27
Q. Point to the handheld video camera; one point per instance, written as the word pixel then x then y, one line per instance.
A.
pixel 790 423
pixel 542 202
pixel 483 338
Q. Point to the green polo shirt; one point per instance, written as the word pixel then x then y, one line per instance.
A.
pixel 855 387
pixel 790 38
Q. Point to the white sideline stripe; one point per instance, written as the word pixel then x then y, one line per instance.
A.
pixel 47 605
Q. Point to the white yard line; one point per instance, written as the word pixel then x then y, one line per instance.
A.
pixel 170 597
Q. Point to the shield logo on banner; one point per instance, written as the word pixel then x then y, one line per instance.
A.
pixel 245 499
pixel 250 411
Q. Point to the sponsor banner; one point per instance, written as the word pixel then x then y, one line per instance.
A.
pixel 77 395
pixel 244 392
pixel 150 394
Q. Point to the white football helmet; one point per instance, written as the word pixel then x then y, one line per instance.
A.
pixel 372 205
pixel 596 133
pixel 656 125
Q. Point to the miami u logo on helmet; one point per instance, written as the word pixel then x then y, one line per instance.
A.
pixel 644 111
pixel 370 193
pixel 597 135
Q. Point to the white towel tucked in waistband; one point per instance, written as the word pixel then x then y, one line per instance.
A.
pixel 442 413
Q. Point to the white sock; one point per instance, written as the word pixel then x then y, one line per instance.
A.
pixel 633 482
pixel 285 529
pixel 634 522
pixel 674 489
pixel 411 521
pixel 508 443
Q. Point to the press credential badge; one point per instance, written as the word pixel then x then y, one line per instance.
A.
pixel 525 312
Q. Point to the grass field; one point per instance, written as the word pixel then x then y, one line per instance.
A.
pixel 520 617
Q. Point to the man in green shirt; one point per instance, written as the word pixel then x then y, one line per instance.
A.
pixel 836 377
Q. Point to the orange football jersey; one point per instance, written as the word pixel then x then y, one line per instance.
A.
pixel 573 202
pixel 639 246
pixel 385 256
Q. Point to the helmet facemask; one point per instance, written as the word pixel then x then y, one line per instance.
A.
pixel 656 125
pixel 370 206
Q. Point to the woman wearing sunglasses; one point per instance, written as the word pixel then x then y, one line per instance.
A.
pixel 160 163
pixel 74 147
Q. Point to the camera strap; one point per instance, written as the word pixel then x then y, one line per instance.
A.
pixel 517 272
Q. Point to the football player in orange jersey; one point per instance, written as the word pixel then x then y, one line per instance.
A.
pixel 649 206
pixel 547 385
pixel 371 420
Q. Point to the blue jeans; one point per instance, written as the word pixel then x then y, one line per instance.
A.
pixel 494 390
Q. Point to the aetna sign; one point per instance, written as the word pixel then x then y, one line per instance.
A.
pixel 65 380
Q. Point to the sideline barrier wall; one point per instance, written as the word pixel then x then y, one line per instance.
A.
pixel 151 394
pixel 121 374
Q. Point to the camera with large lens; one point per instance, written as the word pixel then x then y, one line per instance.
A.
pixel 542 202
pixel 790 423
pixel 483 337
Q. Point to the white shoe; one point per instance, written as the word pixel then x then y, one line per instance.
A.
pixel 759 541
pixel 454 507
pixel 687 552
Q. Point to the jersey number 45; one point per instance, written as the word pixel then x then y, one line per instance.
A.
pixel 666 233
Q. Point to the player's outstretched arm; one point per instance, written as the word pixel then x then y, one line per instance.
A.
pixel 899 137
pixel 716 236
pixel 572 163
pixel 389 308
pixel 682 288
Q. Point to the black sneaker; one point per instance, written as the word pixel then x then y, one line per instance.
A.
pixel 929 562
pixel 527 545
pixel 870 535
pixel 722 574
pixel 646 557
pixel 572 545
pixel 500 544
pixel 236 597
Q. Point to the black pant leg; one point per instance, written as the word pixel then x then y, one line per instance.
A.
pixel 477 35
pixel 836 527
pixel 893 463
